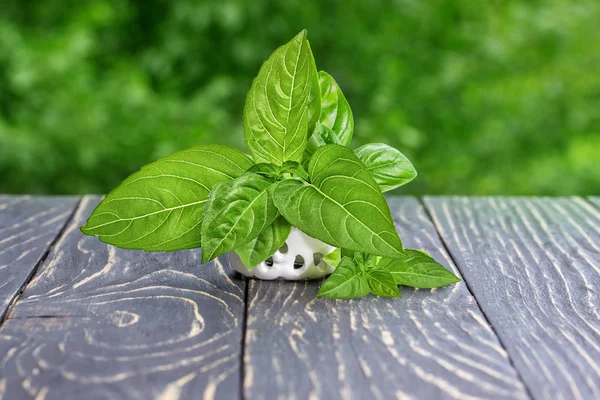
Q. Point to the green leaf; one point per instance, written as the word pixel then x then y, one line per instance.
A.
pixel 343 205
pixel 389 167
pixel 314 98
pixel 265 244
pixel 269 170
pixel 295 169
pixel 382 283
pixel 335 110
pixel 334 258
pixel 417 269
pixel 320 137
pixel 236 212
pixel 160 208
pixel 346 282
pixel 280 103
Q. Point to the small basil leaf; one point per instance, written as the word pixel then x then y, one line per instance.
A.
pixel 346 282
pixel 265 169
pixel 265 244
pixel 334 258
pixel 276 114
pixel 342 205
pixel 295 169
pixel 382 283
pixel 321 136
pixel 389 167
pixel 417 269
pixel 348 253
pixel 160 208
pixel 335 110
pixel 236 212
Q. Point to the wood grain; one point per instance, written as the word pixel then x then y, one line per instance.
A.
pixel 595 201
pixel 28 225
pixel 97 322
pixel 534 266
pixel 429 344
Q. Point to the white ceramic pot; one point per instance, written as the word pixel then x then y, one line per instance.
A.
pixel 300 258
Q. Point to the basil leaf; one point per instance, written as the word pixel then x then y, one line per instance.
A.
pixel 335 110
pixel 294 168
pixel 236 212
pixel 269 170
pixel 314 98
pixel 417 269
pixel 382 283
pixel 343 205
pixel 276 114
pixel 160 207
pixel 334 258
pixel 320 137
pixel 346 282
pixel 389 167
pixel 265 244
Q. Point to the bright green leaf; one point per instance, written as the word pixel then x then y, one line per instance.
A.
pixel 335 110
pixel 382 283
pixel 314 98
pixel 160 208
pixel 276 114
pixel 265 244
pixel 346 282
pixel 321 136
pixel 295 169
pixel 417 269
pixel 389 167
pixel 236 212
pixel 269 170
pixel 334 258
pixel 343 205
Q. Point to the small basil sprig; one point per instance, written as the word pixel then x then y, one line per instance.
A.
pixel 362 274
pixel 298 126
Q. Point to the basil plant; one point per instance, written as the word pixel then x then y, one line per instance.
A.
pixel 300 172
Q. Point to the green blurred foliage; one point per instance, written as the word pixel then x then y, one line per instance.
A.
pixel 492 97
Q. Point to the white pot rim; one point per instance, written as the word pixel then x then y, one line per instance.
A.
pixel 281 265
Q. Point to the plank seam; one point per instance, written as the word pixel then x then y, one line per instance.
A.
pixel 243 344
pixel 449 252
pixel 40 262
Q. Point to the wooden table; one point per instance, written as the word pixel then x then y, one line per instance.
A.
pixel 83 320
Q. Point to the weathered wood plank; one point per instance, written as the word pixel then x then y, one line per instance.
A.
pixel 429 344
pixel 534 266
pixel 99 322
pixel 28 225
pixel 595 200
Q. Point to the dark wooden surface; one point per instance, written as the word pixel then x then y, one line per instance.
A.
pixel 28 226
pixel 534 267
pixel 86 320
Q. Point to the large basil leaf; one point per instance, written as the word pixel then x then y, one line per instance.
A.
pixel 265 244
pixel 343 205
pixel 382 283
pixel 276 114
pixel 160 208
pixel 389 167
pixel 346 282
pixel 417 269
pixel 335 110
pixel 237 211
pixel 314 98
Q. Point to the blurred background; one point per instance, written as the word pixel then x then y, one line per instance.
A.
pixel 485 97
